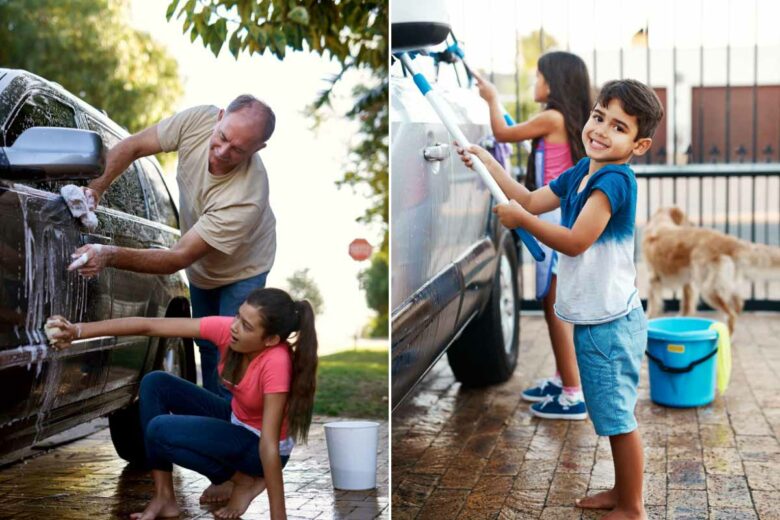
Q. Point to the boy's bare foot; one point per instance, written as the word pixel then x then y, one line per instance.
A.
pixel 215 494
pixel 623 514
pixel 245 489
pixel 159 507
pixel 603 500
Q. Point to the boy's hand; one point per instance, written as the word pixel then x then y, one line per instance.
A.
pixel 61 332
pixel 512 215
pixel 480 152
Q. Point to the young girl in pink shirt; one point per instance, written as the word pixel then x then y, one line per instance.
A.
pixel 246 439
pixel 563 88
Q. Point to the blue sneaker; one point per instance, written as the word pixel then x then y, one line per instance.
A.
pixel 541 389
pixel 560 406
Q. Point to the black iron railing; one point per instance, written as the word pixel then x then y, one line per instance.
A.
pixel 742 200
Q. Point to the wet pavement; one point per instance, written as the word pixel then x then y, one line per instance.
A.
pixel 479 454
pixel 87 480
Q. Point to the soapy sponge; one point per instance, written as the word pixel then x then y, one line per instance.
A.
pixel 50 328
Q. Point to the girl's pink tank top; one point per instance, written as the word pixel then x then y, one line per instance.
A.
pixel 556 159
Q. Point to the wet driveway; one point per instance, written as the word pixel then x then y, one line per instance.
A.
pixel 479 454
pixel 86 480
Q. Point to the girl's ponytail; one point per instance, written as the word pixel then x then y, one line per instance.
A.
pixel 292 320
pixel 304 379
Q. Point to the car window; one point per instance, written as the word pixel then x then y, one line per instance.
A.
pixel 41 110
pixel 125 194
pixel 161 200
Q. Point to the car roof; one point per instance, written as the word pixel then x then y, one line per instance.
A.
pixel 8 75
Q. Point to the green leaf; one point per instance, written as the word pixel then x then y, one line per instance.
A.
pixel 234 45
pixel 299 15
pixel 221 29
pixel 171 9
pixel 216 44
pixel 279 42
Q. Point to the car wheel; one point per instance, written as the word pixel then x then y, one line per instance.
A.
pixel 486 352
pixel 175 356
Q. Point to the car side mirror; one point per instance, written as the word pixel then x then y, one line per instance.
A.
pixel 53 154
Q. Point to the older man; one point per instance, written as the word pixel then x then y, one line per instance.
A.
pixel 228 230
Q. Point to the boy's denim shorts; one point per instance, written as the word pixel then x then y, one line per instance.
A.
pixel 609 356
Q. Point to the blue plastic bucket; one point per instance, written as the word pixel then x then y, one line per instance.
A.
pixel 681 353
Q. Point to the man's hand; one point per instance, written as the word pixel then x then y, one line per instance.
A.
pixel 512 215
pixel 92 196
pixel 90 259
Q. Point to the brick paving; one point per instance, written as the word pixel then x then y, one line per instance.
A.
pixel 479 453
pixel 86 480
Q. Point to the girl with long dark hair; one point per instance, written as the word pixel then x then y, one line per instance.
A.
pixel 563 88
pixel 268 354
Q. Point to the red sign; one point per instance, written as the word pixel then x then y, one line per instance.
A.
pixel 360 249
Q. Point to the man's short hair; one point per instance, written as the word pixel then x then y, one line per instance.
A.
pixel 247 101
pixel 638 100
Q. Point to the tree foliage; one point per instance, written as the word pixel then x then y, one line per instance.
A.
pixel 302 286
pixel 87 47
pixel 352 32
pixel 374 281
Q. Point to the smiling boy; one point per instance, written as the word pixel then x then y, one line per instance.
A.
pixel 597 277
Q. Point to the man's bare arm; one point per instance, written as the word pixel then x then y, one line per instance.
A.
pixel 119 158
pixel 189 249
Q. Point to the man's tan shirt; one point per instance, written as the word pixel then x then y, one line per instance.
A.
pixel 229 212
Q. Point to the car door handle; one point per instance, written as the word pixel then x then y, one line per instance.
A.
pixel 436 152
pixel 91 238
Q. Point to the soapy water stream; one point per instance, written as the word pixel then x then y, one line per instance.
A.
pixel 46 254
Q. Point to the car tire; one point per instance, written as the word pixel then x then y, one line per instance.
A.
pixel 486 352
pixel 175 356
pixel 126 434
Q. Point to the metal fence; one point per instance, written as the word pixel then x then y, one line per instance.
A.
pixel 715 65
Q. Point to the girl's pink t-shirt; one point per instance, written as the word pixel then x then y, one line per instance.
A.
pixel 268 373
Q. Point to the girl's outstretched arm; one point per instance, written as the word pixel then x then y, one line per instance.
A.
pixel 544 123
pixel 158 327
pixel 273 414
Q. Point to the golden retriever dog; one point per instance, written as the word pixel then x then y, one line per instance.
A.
pixel 703 262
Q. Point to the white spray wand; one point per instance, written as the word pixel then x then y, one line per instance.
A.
pixel 447 117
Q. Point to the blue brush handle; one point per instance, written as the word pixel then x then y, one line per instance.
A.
pixel 508 119
pixel 522 234
pixel 530 243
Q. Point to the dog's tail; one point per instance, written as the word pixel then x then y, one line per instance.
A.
pixel 760 262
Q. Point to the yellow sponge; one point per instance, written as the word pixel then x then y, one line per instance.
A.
pixel 723 359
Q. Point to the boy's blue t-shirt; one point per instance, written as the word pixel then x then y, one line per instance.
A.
pixel 600 284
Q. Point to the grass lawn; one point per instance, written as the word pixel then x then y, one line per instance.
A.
pixel 353 384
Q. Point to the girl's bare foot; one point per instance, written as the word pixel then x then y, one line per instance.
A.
pixel 603 500
pixel 245 489
pixel 624 514
pixel 159 507
pixel 215 494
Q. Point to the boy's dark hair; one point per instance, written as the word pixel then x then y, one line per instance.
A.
pixel 638 100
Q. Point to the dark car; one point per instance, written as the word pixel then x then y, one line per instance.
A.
pixel 44 391
pixel 455 282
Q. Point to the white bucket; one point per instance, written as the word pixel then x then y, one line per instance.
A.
pixel 352 449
